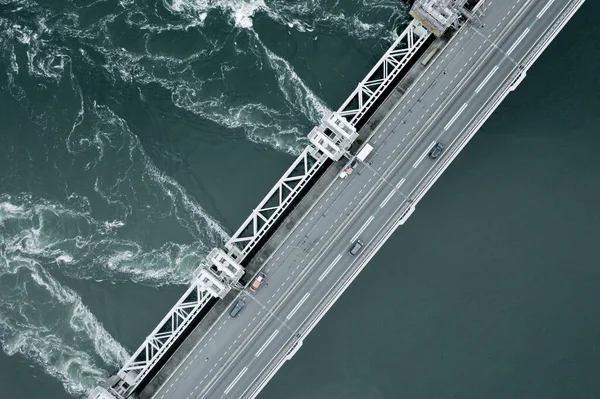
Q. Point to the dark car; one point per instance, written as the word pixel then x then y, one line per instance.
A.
pixel 436 151
pixel 356 247
pixel 237 307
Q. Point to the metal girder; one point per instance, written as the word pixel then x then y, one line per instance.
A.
pixel 436 15
pixel 223 265
pixel 204 287
pixel 274 203
pixel 215 276
pixel 333 136
pixel 384 72
pixel 102 393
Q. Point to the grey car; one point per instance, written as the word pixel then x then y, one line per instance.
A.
pixel 356 247
pixel 436 151
pixel 237 307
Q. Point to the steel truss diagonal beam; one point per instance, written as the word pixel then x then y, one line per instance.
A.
pixel 384 72
pixel 204 287
pixel 275 202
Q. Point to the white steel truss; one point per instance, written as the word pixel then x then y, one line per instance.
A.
pixel 221 270
pixel 205 287
pixel 101 393
pixel 384 72
pixel 333 136
pixel 223 265
pixel 436 15
pixel 275 202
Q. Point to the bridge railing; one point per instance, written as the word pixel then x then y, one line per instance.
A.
pixel 264 216
pixel 207 285
pixel 368 91
pixel 384 72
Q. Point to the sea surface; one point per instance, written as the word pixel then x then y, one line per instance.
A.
pixel 137 135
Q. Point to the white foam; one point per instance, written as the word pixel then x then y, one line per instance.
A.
pixel 64 259
pixel 296 92
pixel 240 11
pixel 47 322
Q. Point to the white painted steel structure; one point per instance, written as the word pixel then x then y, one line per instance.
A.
pixel 331 138
pixel 205 287
pixel 221 270
pixel 275 202
pixel 384 72
pixel 223 265
pixel 436 15
pixel 101 393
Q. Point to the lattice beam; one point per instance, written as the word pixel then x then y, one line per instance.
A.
pixel 274 203
pixel 384 72
pixel 205 287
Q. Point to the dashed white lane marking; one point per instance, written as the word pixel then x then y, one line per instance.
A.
pixel 515 44
pixel 423 155
pixel 364 226
pixel 326 272
pixel 487 78
pixel 304 298
pixel 400 183
pixel 546 7
pixel 239 376
pixel 385 201
pixel 271 338
pixel 455 117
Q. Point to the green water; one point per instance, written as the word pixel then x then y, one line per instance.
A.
pixel 135 137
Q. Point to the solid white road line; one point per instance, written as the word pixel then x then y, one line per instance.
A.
pixel 487 79
pixel 385 201
pixel 400 183
pixel 455 117
pixel 236 380
pixel 326 272
pixel 362 229
pixel 304 298
pixel 546 7
pixel 423 155
pixel 262 348
pixel 519 40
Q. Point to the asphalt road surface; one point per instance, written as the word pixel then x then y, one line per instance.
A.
pixel 313 266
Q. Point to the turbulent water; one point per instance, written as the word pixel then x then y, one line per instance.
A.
pixel 116 118
pixel 137 135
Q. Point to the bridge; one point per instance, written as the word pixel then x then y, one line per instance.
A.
pixel 437 84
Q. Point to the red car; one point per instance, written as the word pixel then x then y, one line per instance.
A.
pixel 257 282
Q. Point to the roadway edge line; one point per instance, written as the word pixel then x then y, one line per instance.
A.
pixel 440 171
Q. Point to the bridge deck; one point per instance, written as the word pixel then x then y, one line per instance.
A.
pixel 313 267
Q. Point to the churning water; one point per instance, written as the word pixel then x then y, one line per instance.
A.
pixel 137 135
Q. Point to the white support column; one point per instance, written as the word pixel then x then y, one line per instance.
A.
pixel 209 282
pixel 436 15
pixel 328 144
pixel 333 136
pixel 341 127
pixel 225 264
pixel 101 393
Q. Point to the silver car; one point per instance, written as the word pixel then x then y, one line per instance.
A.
pixel 356 248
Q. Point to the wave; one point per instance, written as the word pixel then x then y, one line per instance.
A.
pixel 67 65
pixel 188 76
pixel 33 309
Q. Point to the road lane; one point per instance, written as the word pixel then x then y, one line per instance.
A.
pixel 295 257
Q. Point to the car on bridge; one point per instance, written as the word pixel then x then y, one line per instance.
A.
pixel 237 307
pixel 257 282
pixel 356 248
pixel 436 151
